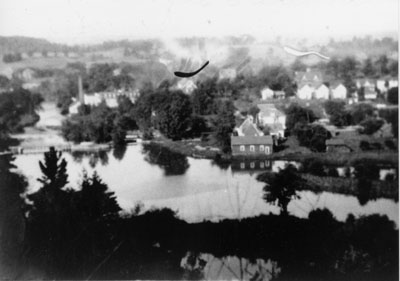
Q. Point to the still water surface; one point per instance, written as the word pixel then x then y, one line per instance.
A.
pixel 197 189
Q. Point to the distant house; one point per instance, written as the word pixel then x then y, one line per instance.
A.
pixel 369 86
pixel 72 55
pixel 37 55
pixel 24 55
pixel 307 83
pixel 338 91
pixel 251 145
pixel 267 93
pixel 279 94
pixel 51 54
pixel 110 98
pixel 366 83
pixel 186 85
pixel 386 83
pixel 305 92
pixel 30 85
pixel 227 73
pixel 393 83
pixel 344 132
pixel 370 94
pixel 270 116
pixel 322 92
pixel 27 74
pixel 337 146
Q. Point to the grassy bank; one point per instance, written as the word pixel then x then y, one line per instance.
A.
pixel 199 149
pixel 342 159
pixel 190 148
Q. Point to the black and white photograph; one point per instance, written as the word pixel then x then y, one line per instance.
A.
pixel 199 140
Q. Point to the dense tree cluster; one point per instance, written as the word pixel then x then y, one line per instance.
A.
pixel 17 110
pixel 338 115
pixel 297 114
pixel 312 136
pixel 8 58
pixel 224 125
pixel 393 95
pixel 100 123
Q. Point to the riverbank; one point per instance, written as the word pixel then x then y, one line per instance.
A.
pixel 198 149
pixel 349 186
pixel 191 148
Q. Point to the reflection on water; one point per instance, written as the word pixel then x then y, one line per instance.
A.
pixel 196 188
pixel 326 236
pixel 206 266
pixel 173 163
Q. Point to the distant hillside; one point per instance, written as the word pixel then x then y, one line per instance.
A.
pixel 20 44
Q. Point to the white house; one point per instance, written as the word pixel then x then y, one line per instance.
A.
pixel 393 83
pixel 110 98
pixel 370 95
pixel 227 73
pixel 305 92
pixel 186 85
pixel 339 91
pixel 322 92
pixel 270 116
pixel 384 84
pixel 267 93
pixel 381 84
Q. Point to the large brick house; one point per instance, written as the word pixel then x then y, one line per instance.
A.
pixel 251 145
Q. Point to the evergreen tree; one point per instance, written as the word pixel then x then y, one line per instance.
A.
pixel 54 170
pixel 224 125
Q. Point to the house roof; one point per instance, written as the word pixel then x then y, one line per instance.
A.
pixel 251 140
pixel 334 84
pixel 335 142
pixel 269 109
pixel 248 128
pixel 309 75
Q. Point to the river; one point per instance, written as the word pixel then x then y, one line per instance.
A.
pixel 197 189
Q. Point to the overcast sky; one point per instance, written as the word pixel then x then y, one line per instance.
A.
pixel 87 21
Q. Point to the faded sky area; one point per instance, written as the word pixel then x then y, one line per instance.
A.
pixel 89 21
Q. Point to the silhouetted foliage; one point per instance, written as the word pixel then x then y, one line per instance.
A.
pixel 172 114
pixel 224 124
pixel 393 95
pixel 281 187
pixel 338 116
pixel 390 144
pixel 12 221
pixel 54 170
pixel 296 114
pixel 371 125
pixel 313 166
pixel 359 112
pixel 312 136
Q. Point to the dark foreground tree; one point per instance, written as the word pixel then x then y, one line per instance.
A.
pixel 224 124
pixel 281 187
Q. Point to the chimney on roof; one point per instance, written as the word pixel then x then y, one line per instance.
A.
pixel 80 90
